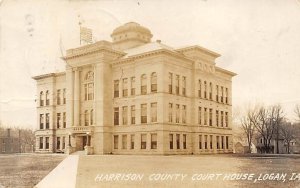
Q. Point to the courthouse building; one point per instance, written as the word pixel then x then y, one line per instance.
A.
pixel 135 96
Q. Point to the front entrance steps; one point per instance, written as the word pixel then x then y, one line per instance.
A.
pixel 79 153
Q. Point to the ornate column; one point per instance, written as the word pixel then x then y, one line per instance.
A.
pixel 70 101
pixel 76 96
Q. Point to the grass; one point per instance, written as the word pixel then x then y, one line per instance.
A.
pixel 26 170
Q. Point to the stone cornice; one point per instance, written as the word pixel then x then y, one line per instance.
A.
pixel 48 75
pixel 152 53
pixel 199 48
pixel 218 69
pixel 91 49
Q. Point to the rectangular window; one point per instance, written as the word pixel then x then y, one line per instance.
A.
pixel 205 116
pixel 64 96
pixel 143 113
pixel 199 115
pixel 132 115
pixel 177 81
pixel 205 141
pixel 178 141
pixel 200 141
pixel 222 118
pixel 170 82
pixel 153 141
pixel 205 90
pixel 170 112
pixel 222 142
pixel 58 97
pixel 116 141
pixel 124 115
pixel 124 141
pixel 199 88
pixel 132 141
pixel 63 142
pixel 143 141
pixel 226 119
pixel 64 120
pixel 217 138
pixel 177 113
pixel 47 143
pixel 226 95
pixel 227 142
pixel 116 116
pixel 116 88
pixel 41 143
pixel 58 143
pixel 210 91
pixel 183 113
pixel 217 93
pixel 171 140
pixel 217 118
pixel 184 86
pixel 125 87
pixel 41 121
pixel 210 142
pixel 153 112
pixel 132 86
pixel 222 93
pixel 58 118
pixel 184 141
pixel 47 121
pixel 210 117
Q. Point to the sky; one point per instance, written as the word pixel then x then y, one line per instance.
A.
pixel 258 39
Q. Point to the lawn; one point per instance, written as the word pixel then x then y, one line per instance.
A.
pixel 26 170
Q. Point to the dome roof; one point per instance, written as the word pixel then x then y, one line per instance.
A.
pixel 131 26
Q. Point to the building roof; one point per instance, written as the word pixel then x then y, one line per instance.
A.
pixel 48 75
pixel 149 47
pixel 131 26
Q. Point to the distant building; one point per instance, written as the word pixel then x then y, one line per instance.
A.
pixel 134 96
pixel 9 141
pixel 282 146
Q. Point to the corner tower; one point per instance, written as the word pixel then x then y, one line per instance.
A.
pixel 130 35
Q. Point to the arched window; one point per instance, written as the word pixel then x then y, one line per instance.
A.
pixel 64 96
pixel 200 88
pixel 144 84
pixel 47 97
pixel 89 86
pixel 86 118
pixel 92 117
pixel 153 82
pixel 58 97
pixel 41 98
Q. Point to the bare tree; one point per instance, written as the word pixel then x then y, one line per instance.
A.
pixel 276 117
pixel 264 127
pixel 248 126
pixel 288 133
pixel 297 111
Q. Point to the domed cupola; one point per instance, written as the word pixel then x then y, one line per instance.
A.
pixel 130 35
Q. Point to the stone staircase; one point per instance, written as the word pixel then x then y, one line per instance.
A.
pixel 79 153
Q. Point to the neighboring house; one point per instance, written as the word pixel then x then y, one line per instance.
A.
pixel 134 96
pixel 283 149
pixel 9 141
